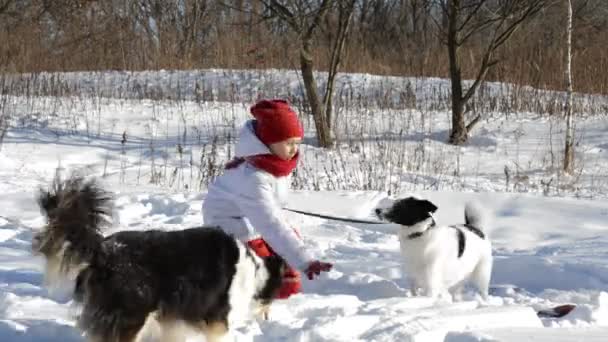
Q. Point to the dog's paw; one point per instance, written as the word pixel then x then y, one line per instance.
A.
pixel 444 298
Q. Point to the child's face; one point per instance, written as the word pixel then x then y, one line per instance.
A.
pixel 286 149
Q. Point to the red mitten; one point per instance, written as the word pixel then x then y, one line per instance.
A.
pixel 316 267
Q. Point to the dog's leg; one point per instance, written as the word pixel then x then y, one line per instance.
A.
pixel 481 276
pixel 129 335
pixel 434 281
pixel 120 334
pixel 91 338
pixel 456 292
pixel 414 286
pixel 215 331
pixel 264 312
pixel 171 330
pixel 132 333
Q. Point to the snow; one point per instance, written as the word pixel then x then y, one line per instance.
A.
pixel 549 242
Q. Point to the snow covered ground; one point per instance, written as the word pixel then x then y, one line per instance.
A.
pixel 550 242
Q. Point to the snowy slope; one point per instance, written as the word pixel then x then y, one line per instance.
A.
pixel 365 297
pixel 549 250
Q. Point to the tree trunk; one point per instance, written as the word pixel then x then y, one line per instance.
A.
pixel 346 13
pixel 459 134
pixel 459 25
pixel 569 146
pixel 321 124
pixel 306 33
pixel 3 119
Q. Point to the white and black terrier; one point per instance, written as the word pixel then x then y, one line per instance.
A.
pixel 199 277
pixel 441 259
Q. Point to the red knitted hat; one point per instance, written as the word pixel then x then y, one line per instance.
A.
pixel 276 121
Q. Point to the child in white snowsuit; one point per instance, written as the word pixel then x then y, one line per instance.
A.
pixel 246 200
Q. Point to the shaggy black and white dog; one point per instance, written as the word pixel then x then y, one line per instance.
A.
pixel 441 259
pixel 200 277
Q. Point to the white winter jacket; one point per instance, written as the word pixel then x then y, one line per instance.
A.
pixel 246 202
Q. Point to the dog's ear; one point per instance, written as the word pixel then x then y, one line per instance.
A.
pixel 428 206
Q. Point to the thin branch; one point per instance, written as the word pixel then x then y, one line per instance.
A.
pixel 473 122
pixel 283 13
pixel 471 15
pixel 325 5
pixel 5 5
pixel 477 28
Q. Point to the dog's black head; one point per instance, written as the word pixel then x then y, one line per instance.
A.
pixel 407 211
pixel 275 266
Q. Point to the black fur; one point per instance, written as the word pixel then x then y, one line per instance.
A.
pixel 415 235
pixel 76 211
pixel 277 265
pixel 182 274
pixel 475 231
pixel 462 242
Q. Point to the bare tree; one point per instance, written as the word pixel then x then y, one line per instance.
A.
pixel 345 13
pixel 569 145
pixel 395 37
pixel 418 32
pixel 304 18
pixel 463 19
pixel 149 15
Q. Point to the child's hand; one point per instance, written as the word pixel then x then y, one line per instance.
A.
pixel 316 267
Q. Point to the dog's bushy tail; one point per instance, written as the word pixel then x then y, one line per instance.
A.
pixel 475 215
pixel 76 211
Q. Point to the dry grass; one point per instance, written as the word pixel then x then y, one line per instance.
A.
pixel 372 152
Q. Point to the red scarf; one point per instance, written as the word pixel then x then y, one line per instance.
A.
pixel 267 162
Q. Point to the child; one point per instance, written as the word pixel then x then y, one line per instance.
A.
pixel 246 200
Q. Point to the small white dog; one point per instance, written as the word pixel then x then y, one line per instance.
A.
pixel 441 259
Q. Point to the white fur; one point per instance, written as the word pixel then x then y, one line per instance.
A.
pixel 58 276
pixel 242 289
pixel 433 264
